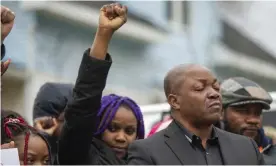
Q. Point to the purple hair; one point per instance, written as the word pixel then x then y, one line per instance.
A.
pixel 109 107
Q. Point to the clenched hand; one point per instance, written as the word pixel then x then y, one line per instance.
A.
pixel 113 16
pixel 7 21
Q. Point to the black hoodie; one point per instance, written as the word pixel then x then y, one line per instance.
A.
pixel 51 101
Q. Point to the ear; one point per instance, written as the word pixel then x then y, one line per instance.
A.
pixel 174 102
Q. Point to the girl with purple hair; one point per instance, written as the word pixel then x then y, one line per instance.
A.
pixel 98 130
pixel 121 122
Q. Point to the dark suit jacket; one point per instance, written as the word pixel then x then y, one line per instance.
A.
pixel 170 147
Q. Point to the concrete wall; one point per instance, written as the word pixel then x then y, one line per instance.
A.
pixel 12 95
pixel 254 19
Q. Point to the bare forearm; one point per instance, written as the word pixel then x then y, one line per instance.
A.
pixel 100 45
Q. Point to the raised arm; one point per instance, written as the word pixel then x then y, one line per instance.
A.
pixel 81 119
pixel 7 21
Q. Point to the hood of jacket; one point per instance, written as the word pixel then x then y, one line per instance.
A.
pixel 51 99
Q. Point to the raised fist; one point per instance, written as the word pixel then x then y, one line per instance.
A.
pixel 112 16
pixel 7 21
pixel 46 124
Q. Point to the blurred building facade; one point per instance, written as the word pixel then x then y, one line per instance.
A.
pixel 246 45
pixel 49 38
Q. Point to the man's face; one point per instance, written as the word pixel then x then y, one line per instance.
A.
pixel 244 120
pixel 199 97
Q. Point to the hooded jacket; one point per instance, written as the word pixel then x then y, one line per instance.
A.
pixel 51 99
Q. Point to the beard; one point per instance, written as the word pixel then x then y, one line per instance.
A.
pixel 227 127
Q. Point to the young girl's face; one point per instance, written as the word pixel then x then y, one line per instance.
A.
pixel 122 131
pixel 38 152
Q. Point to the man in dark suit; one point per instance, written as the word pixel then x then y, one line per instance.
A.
pixel 193 92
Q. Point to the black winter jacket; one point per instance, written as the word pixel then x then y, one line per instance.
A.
pixel 77 144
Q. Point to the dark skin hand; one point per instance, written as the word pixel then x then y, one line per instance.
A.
pixel 46 124
pixel 112 17
pixel 7 22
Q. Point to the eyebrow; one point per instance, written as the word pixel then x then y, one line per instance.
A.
pixel 31 153
pixel 118 124
pixel 205 81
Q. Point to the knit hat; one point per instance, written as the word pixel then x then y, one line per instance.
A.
pixel 239 91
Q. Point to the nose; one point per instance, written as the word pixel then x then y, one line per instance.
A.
pixel 213 94
pixel 39 163
pixel 120 137
pixel 253 119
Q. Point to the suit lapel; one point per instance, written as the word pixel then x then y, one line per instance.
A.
pixel 179 145
pixel 227 152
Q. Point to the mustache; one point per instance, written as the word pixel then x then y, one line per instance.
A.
pixel 249 128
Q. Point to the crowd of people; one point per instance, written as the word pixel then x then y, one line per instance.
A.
pixel 211 123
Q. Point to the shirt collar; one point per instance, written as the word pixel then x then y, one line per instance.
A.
pixel 192 137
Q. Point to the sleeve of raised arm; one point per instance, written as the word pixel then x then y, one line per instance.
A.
pixel 81 114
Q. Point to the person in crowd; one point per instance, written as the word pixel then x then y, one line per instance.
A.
pixel 193 93
pixel 10 144
pixel 48 111
pixel 32 147
pixel 98 132
pixel 243 104
pixel 7 21
pixel 121 122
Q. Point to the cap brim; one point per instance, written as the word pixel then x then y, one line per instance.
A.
pixel 265 104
